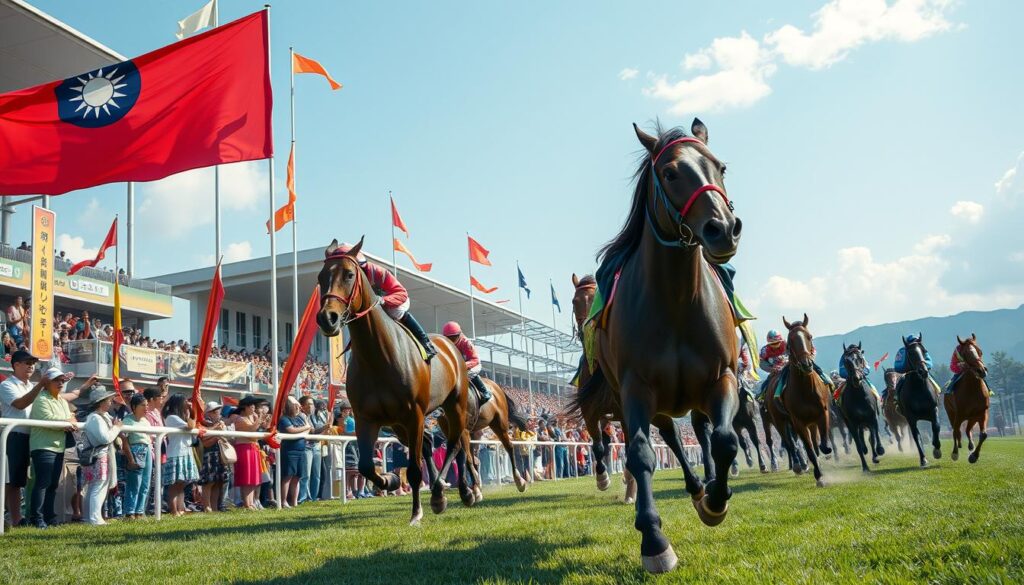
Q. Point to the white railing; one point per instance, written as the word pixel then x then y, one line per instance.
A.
pixel 7 425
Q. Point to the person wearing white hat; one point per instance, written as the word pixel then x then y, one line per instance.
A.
pixel 213 473
pixel 47 446
pixel 99 474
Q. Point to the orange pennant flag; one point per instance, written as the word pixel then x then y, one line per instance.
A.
pixel 476 284
pixel 478 253
pixel 302 64
pixel 286 212
pixel 396 220
pixel 399 247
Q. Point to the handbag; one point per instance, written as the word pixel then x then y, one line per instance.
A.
pixel 228 456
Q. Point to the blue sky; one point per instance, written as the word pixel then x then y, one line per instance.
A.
pixel 873 147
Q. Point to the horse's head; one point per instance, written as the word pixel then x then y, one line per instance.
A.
pixel 687 204
pixel 346 293
pixel 582 299
pixel 854 362
pixel 916 361
pixel 891 377
pixel 970 352
pixel 800 344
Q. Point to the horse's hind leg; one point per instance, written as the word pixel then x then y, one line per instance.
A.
pixel 670 434
pixel 468 471
pixel 769 441
pixel 957 438
pixel 916 434
pixel 656 551
pixel 414 471
pixel 937 446
pixel 700 429
pixel 970 438
pixel 507 444
pixel 756 442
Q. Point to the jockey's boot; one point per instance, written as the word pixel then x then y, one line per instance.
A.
pixel 483 394
pixel 417 331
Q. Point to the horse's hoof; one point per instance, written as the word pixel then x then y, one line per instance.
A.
pixel 734 471
pixel 662 563
pixel 972 458
pixel 825 449
pixel 706 515
pixel 937 453
pixel 874 460
pixel 798 470
pixel 881 450
pixel 438 505
pixel 820 482
pixel 924 463
pixel 955 455
pixel 603 481
pixel 478 495
pixel 750 461
pixel 520 484
pixel 629 500
pixel 468 499
pixel 764 469
pixel 416 517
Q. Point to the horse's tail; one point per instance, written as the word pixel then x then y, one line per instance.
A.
pixel 515 416
pixel 593 399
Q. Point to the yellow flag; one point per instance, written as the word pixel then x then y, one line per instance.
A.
pixel 118 337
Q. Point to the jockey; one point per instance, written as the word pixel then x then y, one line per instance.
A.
pixel 453 332
pixel 837 379
pixel 901 366
pixel 841 374
pixel 956 365
pixel 745 369
pixel 395 298
pixel 773 357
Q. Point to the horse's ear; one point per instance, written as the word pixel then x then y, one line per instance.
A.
pixel 860 345
pixel 354 252
pixel 959 341
pixel 974 337
pixel 646 139
pixel 844 347
pixel 920 338
pixel 699 130
pixel 904 340
pixel 786 323
pixel 575 280
pixel 806 320
pixel 332 248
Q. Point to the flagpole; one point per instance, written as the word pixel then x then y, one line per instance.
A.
pixel 472 311
pixel 275 369
pixel 216 170
pixel 522 324
pixel 131 229
pixel 295 251
pixel 394 255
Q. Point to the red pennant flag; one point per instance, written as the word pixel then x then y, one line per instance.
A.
pixel 109 242
pixel 302 64
pixel 199 102
pixel 478 253
pixel 476 284
pixel 399 247
pixel 881 360
pixel 297 357
pixel 396 220
pixel 503 301
pixel 229 401
pixel 209 327
pixel 286 212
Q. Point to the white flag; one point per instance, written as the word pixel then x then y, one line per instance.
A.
pixel 197 21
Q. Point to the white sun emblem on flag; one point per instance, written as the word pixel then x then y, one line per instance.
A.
pixel 98 91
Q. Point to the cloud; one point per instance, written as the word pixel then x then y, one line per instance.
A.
pixel 969 211
pixel 743 68
pixel 793 295
pixel 628 73
pixel 173 207
pixel 74 248
pixel 843 25
pixel 1010 187
pixel 92 214
pixel 234 252
pixel 739 67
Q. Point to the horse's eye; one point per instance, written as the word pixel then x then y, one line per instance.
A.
pixel 669 175
pixel 722 170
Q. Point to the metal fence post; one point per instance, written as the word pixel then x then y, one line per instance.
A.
pixel 158 495
pixel 3 472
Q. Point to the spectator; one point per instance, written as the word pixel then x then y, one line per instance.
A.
pixel 180 467
pixel 47 446
pixel 139 458
pixel 293 452
pixel 10 346
pixel 99 472
pixel 214 474
pixel 322 423
pixel 17 320
pixel 16 398
pixel 247 467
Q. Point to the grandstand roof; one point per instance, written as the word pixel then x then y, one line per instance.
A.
pixel 36 48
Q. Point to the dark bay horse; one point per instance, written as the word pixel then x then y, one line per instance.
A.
pixel 497 414
pixel 805 396
pixel 784 430
pixel 389 383
pixel 669 345
pixel 744 420
pixel 917 399
pixel 858 405
pixel 837 423
pixel 969 400
pixel 896 422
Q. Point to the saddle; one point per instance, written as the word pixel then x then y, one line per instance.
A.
pixel 416 342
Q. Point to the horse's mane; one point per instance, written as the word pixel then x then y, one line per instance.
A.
pixel 626 241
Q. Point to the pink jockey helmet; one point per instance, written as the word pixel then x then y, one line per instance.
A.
pixel 451 329
pixel 345 248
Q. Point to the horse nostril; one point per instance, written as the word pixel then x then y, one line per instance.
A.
pixel 737 228
pixel 713 231
pixel 332 318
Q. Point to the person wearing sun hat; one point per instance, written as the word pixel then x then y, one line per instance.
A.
pixel 213 474
pixel 100 432
pixel 47 445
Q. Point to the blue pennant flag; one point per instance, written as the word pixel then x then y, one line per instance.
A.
pixel 522 282
pixel 554 299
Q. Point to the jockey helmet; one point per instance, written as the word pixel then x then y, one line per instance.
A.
pixel 773 336
pixel 451 329
pixel 345 248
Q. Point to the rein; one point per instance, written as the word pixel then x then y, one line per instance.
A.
pixel 348 316
pixel 686 239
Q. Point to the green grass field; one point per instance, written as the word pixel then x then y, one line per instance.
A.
pixel 949 523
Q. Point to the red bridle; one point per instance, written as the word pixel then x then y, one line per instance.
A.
pixel 697 192
pixel 348 316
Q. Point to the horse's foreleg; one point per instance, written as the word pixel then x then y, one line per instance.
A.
pixel 982 435
pixel 970 437
pixel 769 440
pixel 744 445
pixel 656 551
pixel 916 434
pixel 823 432
pixel 414 471
pixel 507 444
pixel 699 422
pixel 804 433
pixel 858 443
pixel 957 438
pixel 756 442
pixel 722 403
pixel 937 446
pixel 468 471
pixel 670 434
pixel 366 440
pixel 876 434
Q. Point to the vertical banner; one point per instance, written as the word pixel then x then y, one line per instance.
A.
pixel 43 227
pixel 335 367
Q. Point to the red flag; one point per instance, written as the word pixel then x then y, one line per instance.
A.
pixel 332 397
pixel 206 343
pixel 476 284
pixel 881 360
pixel 478 253
pixel 396 220
pixel 296 359
pixel 202 101
pixel 399 247
pixel 109 242
pixel 286 212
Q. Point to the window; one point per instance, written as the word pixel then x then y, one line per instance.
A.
pixel 288 337
pixel 257 333
pixel 240 329
pixel 224 316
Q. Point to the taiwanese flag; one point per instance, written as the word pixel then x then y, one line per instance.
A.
pixel 478 253
pixel 200 102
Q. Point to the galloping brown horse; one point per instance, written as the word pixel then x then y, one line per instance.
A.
pixel 496 415
pixel 896 421
pixel 805 396
pixel 389 383
pixel 669 344
pixel 969 401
